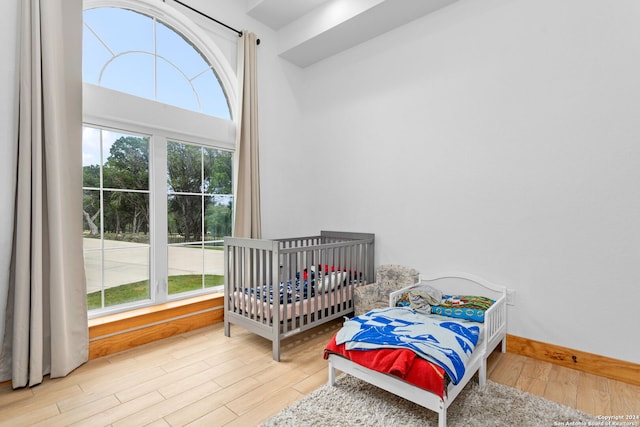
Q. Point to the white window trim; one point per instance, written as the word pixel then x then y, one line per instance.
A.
pixel 105 107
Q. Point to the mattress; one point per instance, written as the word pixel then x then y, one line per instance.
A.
pixel 265 310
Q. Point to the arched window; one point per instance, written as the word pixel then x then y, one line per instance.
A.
pixel 158 144
pixel 138 54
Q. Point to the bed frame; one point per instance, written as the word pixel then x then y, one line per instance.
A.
pixel 495 329
pixel 252 264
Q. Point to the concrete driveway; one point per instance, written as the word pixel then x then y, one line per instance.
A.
pixel 126 262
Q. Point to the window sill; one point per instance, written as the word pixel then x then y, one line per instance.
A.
pixel 122 331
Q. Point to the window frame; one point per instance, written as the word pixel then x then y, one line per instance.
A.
pixel 113 110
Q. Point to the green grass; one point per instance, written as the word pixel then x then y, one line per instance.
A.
pixel 140 290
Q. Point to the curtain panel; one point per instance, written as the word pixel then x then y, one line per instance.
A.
pixel 8 148
pixel 247 216
pixel 45 315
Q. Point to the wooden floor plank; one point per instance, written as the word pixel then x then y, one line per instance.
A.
pixel 313 382
pixel 120 412
pixel 165 407
pixel 207 404
pixel 534 377
pixel 625 399
pixel 562 386
pixel 508 370
pixel 80 412
pixel 31 417
pixel 216 418
pixel 188 382
pixel 161 381
pixel 266 409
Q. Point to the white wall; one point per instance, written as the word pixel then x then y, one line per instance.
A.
pixel 279 118
pixel 498 137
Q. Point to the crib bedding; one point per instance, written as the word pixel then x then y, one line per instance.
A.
pixel 303 287
pixel 294 308
pixel 312 290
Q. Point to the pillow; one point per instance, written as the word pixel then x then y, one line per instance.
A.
pixel 470 307
pixel 329 282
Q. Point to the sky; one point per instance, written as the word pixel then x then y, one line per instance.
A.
pixel 91 144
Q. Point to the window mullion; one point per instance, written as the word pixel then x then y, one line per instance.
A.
pixel 203 201
pixel 102 260
pixel 155 59
pixel 159 239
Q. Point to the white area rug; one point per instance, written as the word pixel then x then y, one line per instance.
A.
pixel 354 403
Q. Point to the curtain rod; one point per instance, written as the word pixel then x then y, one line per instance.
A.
pixel 213 19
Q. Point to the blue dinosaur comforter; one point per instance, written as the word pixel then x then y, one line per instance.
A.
pixel 448 344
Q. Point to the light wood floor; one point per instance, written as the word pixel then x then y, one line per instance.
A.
pixel 203 378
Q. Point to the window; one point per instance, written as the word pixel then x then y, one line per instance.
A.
pixel 116 217
pixel 199 203
pixel 158 145
pixel 148 59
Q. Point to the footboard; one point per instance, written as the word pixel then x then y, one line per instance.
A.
pixel 496 325
pixel 277 288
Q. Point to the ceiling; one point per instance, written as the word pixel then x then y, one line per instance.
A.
pixel 309 31
pixel 278 13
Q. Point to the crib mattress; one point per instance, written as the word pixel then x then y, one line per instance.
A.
pixel 263 309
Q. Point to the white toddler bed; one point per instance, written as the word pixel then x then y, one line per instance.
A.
pixel 493 332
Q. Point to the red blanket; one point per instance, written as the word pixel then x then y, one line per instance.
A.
pixel 402 363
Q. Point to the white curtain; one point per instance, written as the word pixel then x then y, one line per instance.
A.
pixel 45 315
pixel 247 222
pixel 8 147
